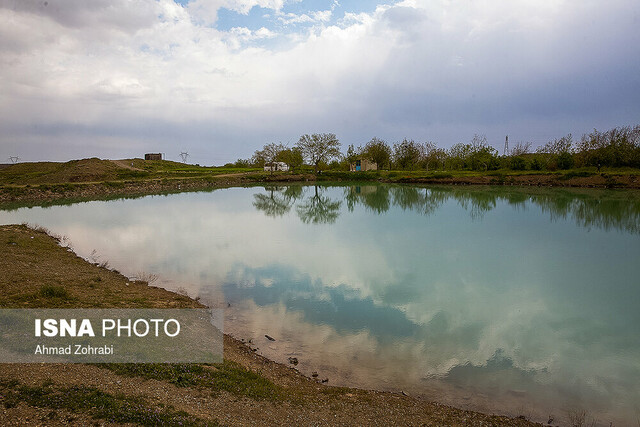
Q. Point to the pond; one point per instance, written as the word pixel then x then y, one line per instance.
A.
pixel 505 300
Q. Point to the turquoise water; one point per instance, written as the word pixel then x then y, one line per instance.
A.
pixel 516 301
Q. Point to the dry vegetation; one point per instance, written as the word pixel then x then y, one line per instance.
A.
pixel 246 389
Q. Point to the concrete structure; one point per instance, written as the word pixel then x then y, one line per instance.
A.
pixel 153 156
pixel 362 164
pixel 277 166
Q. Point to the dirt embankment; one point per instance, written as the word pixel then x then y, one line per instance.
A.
pixel 247 389
pixel 77 191
pixel 94 178
pixel 548 180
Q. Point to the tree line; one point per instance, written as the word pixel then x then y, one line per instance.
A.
pixel 617 147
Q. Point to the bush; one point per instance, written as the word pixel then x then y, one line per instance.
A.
pixel 536 164
pixel 518 163
pixel 565 161
pixel 50 291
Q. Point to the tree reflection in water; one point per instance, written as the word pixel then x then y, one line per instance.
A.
pixel 602 209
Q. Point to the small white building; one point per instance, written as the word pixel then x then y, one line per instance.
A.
pixel 277 166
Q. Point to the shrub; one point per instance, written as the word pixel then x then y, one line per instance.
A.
pixel 565 161
pixel 536 164
pixel 51 291
pixel 518 163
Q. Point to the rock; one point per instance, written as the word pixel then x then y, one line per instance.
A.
pixel 326 380
pixel 314 374
pixel 269 338
pixel 293 360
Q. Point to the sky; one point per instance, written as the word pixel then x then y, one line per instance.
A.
pixel 221 78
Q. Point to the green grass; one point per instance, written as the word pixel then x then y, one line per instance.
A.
pixel 227 376
pixel 51 291
pixel 116 408
pixel 574 173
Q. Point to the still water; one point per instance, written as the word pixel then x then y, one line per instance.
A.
pixel 514 301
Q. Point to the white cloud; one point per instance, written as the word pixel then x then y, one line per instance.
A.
pixel 321 16
pixel 419 68
pixel 206 11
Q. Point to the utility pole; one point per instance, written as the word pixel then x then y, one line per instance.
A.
pixel 506 145
pixel 14 159
pixel 184 156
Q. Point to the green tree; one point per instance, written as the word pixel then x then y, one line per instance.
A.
pixel 292 157
pixel 536 164
pixel 439 157
pixel 378 151
pixel 430 157
pixel 268 156
pixel 258 160
pixel 352 154
pixel 518 163
pixel 565 160
pixel 407 154
pixel 483 156
pixel 615 147
pixel 459 155
pixel 553 150
pixel 243 163
pixel 319 148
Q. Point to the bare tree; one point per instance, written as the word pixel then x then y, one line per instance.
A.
pixel 478 142
pixel 520 149
pixel 557 146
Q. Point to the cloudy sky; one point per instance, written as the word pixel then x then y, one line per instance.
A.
pixel 220 78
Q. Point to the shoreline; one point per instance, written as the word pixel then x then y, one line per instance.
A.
pixel 291 398
pixel 18 195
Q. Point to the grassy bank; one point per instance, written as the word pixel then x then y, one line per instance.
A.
pixel 41 271
pixel 90 179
